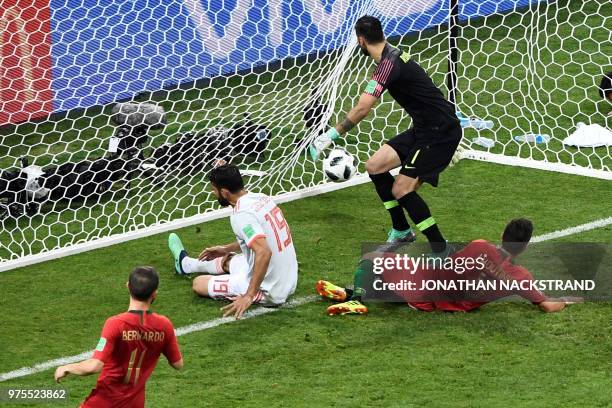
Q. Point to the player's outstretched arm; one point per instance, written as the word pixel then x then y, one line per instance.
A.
pixel 171 348
pixel 556 305
pixel 214 252
pixel 355 115
pixel 178 365
pixel 240 304
pixel 551 306
pixel 86 367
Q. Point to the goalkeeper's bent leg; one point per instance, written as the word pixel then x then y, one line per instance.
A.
pixel 419 213
pixel 378 166
pixel 383 183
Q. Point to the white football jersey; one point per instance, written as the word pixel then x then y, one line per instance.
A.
pixel 256 215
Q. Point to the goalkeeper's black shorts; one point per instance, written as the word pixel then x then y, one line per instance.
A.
pixel 425 156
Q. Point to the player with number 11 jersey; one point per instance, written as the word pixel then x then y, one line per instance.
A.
pixel 129 348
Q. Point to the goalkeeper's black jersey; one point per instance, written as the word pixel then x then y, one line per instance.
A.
pixel 432 115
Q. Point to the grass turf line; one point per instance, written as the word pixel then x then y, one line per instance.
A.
pixel 60 307
pixel 258 311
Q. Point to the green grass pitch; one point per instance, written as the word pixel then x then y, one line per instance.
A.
pixel 301 357
pixel 505 353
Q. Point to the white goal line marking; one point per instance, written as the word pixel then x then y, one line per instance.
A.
pixel 604 222
pixel 181 331
pixel 209 324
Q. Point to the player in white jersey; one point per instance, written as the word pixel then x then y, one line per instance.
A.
pixel 266 270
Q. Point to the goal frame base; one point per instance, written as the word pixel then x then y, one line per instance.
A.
pixel 535 164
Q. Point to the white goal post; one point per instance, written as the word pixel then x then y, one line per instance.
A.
pixel 112 113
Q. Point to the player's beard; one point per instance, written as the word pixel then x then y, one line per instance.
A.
pixel 223 201
pixel 364 50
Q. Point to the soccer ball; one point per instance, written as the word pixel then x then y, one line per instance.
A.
pixel 339 165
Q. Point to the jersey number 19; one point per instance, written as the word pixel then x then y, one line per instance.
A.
pixel 277 221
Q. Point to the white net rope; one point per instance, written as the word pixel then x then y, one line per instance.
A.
pixel 96 169
pixel 535 75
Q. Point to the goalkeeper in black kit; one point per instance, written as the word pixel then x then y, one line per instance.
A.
pixel 422 151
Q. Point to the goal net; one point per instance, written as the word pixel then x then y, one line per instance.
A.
pixel 112 113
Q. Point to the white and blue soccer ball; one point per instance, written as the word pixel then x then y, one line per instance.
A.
pixel 339 165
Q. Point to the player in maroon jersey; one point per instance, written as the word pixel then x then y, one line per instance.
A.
pixel 129 348
pixel 490 263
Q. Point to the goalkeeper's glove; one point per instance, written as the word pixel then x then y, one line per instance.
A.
pixel 322 142
pixel 457 156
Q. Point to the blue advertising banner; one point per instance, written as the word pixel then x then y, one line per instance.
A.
pixel 106 51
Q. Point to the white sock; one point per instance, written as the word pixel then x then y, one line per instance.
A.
pixel 194 265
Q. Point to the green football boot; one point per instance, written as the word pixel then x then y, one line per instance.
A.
pixel 178 253
pixel 396 239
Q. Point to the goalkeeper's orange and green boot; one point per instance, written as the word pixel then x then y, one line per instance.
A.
pixel 330 291
pixel 350 307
